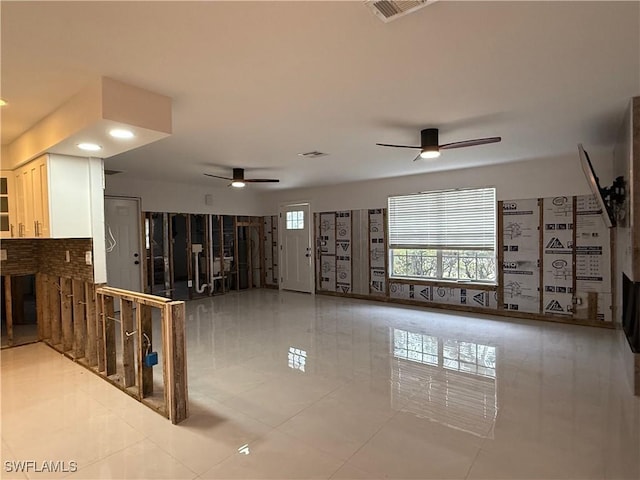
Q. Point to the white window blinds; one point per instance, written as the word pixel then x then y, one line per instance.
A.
pixel 450 220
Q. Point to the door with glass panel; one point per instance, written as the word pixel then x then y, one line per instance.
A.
pixel 296 254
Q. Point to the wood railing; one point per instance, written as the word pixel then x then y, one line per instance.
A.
pixel 80 320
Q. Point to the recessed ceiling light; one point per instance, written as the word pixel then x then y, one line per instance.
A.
pixel 3 102
pixel 237 183
pixel 89 147
pixel 121 133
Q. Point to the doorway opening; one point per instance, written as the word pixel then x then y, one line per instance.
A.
pixel 19 318
pixel 179 258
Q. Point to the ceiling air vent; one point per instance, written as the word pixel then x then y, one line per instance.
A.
pixel 387 10
pixel 313 154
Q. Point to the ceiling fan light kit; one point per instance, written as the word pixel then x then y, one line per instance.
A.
pixel 238 180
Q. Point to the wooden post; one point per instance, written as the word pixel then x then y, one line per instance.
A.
pixel 174 352
pixel 8 308
pixel 127 332
pixel 235 252
pixel 168 251
pixel 66 298
pixel 189 248
pixel 592 298
pixel 145 374
pixel 151 259
pixel 39 305
pixel 79 319
pixel 109 335
pixel 54 310
pixel 90 353
pixel 100 332
pixel 541 255
pixel 165 312
pixel 500 256
pixel 42 306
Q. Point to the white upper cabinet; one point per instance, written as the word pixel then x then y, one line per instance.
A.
pixel 53 198
pixel 7 204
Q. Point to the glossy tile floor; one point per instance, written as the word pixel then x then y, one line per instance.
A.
pixel 286 385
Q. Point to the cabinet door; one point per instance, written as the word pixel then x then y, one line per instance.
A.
pixel 39 181
pixel 28 227
pixel 6 205
pixel 21 203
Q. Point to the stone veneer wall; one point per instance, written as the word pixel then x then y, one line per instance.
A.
pixel 47 255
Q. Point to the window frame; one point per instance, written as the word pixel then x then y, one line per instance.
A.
pixel 440 253
pixel 294 220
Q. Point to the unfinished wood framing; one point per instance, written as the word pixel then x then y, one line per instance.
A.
pixel 574 237
pixel 150 280
pixel 66 298
pixel 541 255
pixel 138 382
pixel 127 334
pixel 235 252
pixel 109 334
pixel 500 259
pixel 90 353
pixel 8 308
pixel 145 338
pixel 53 310
pixel 168 253
pixel 85 330
pixel 173 344
pixel 100 335
pixel 79 318
pixel 42 302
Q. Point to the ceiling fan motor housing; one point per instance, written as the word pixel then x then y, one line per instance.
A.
pixel 429 139
pixel 238 173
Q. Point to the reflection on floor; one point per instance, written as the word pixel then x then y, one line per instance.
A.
pixel 286 385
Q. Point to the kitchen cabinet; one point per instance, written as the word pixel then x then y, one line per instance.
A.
pixel 53 198
pixel 7 204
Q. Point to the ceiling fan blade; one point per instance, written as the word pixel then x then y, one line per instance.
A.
pixel 397 146
pixel 217 176
pixel 471 143
pixel 261 180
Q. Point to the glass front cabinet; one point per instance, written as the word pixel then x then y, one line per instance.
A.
pixel 7 205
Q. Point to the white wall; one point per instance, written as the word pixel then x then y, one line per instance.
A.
pixel 184 198
pixel 519 180
pixel 96 179
pixel 525 179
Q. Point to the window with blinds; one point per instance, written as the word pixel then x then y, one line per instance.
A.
pixel 447 235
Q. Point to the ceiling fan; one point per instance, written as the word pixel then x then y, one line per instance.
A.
pixel 429 147
pixel 239 181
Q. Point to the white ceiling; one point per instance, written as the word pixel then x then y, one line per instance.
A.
pixel 255 83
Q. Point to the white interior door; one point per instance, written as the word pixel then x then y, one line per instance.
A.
pixel 296 254
pixel 124 252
